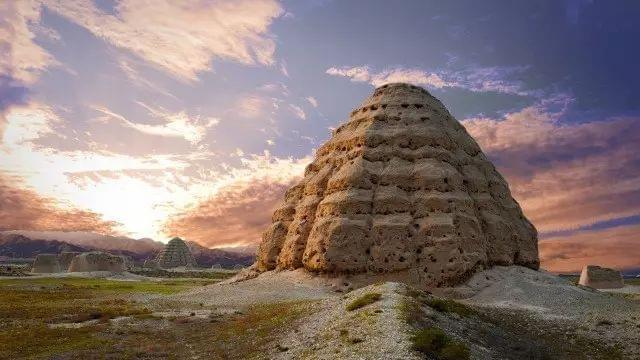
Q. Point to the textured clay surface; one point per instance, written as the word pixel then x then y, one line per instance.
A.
pixel 601 278
pixel 46 263
pixel 97 261
pixel 403 189
pixel 65 258
pixel 175 254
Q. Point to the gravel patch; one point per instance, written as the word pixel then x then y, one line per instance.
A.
pixel 269 287
pixel 374 331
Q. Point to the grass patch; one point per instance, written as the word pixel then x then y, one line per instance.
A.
pixel 38 341
pixel 363 301
pixel 217 275
pixel 450 306
pixel 248 335
pixel 28 306
pixel 106 286
pixel 434 342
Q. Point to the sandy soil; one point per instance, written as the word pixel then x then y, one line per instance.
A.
pixel 267 288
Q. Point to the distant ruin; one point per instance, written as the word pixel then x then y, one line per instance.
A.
pixel 46 263
pixel 65 258
pixel 175 254
pixel 601 278
pixel 97 261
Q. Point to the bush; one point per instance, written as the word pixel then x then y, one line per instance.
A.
pixel 363 301
pixel 429 340
pixel 454 350
pixel 433 341
pixel 450 306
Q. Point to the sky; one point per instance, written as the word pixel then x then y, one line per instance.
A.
pixel 155 118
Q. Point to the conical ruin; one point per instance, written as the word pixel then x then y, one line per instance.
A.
pixel 401 189
pixel 175 254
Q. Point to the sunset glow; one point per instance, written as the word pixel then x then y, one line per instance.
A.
pixel 163 118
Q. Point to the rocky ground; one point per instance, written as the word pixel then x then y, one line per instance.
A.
pixel 503 313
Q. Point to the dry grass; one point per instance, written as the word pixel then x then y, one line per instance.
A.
pixel 363 301
pixel 435 343
pixel 28 306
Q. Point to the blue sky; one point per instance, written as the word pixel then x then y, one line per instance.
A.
pixel 158 118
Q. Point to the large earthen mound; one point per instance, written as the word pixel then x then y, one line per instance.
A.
pixel 401 189
pixel 46 263
pixel 97 261
pixel 175 254
pixel 601 278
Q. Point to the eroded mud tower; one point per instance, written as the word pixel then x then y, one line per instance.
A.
pixel 601 278
pixel 175 254
pixel 46 263
pixel 403 189
pixel 97 261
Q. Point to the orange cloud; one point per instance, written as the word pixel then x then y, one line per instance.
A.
pixel 235 216
pixel 23 209
pixel 617 247
pixel 240 207
pixel 565 176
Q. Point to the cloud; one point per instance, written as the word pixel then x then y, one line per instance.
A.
pixel 129 69
pixel 283 68
pixel 473 78
pixel 182 37
pixel 240 209
pixel 22 59
pixel 180 125
pixel 254 106
pixel 22 208
pixel 312 101
pixel 566 175
pixel 137 192
pixel 614 247
pixel 297 111
pixel 27 123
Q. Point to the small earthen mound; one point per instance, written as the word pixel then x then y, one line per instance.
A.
pixel 97 261
pixel 46 263
pixel 400 189
pixel 175 254
pixel 65 258
pixel 601 278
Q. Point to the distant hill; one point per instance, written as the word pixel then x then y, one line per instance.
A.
pixel 96 241
pixel 206 257
pixel 19 245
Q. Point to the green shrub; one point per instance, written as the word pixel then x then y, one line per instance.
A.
pixel 429 340
pixel 450 306
pixel 433 341
pixel 454 350
pixel 363 301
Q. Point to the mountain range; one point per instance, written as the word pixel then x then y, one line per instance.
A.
pixel 24 244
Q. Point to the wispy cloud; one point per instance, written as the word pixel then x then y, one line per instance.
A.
pixel 182 37
pixel 254 106
pixel 563 172
pixel 22 59
pixel 297 111
pixel 312 101
pixel 180 125
pixel 26 123
pixel 240 207
pixel 472 78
